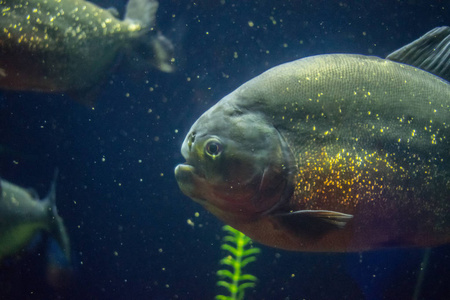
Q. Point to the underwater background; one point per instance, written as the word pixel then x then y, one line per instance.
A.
pixel 134 235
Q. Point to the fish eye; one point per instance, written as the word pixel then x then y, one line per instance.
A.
pixel 213 148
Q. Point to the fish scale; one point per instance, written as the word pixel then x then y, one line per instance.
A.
pixel 393 143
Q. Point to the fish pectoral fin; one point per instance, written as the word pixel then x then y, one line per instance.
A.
pixel 334 218
pixel 271 189
pixel 331 217
pixel 313 223
pixel 429 52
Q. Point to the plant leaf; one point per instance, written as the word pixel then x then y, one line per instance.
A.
pixel 229 238
pixel 247 277
pixel 222 297
pixel 225 273
pixel 229 261
pixel 251 251
pixel 224 284
pixel 229 249
pixel 247 260
pixel 246 285
pixel 230 229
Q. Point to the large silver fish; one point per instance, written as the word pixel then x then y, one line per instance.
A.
pixel 334 152
pixel 22 215
pixel 70 45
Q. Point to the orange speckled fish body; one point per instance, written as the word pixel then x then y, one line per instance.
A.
pixel 394 202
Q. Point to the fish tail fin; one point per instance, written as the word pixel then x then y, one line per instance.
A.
pixel 154 48
pixel 56 225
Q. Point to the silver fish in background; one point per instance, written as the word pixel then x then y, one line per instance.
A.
pixel 22 215
pixel 334 152
pixel 71 45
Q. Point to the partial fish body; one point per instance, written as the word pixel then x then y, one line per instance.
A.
pixel 331 153
pixel 70 45
pixel 22 215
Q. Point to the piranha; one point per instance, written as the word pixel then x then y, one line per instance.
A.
pixel 68 46
pixel 335 153
pixel 22 215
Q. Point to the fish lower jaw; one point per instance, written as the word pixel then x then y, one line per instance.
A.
pixel 184 174
pixel 187 171
pixel 184 168
pixel 187 179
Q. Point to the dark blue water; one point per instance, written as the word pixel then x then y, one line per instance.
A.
pixel 116 191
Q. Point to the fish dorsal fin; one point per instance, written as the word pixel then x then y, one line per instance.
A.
pixel 431 52
pixel 313 223
pixel 33 193
pixel 142 12
pixel 113 11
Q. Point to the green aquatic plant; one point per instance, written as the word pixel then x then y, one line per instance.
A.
pixel 240 254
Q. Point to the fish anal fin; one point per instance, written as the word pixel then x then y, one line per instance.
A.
pixel 313 223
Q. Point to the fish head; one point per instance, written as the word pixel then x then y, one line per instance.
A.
pixel 237 163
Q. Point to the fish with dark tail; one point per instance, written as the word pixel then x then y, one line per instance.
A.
pixel 335 153
pixel 69 46
pixel 22 215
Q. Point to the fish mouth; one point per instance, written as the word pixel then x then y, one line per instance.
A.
pixel 189 182
pixel 183 169
pixel 188 169
pixel 185 176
